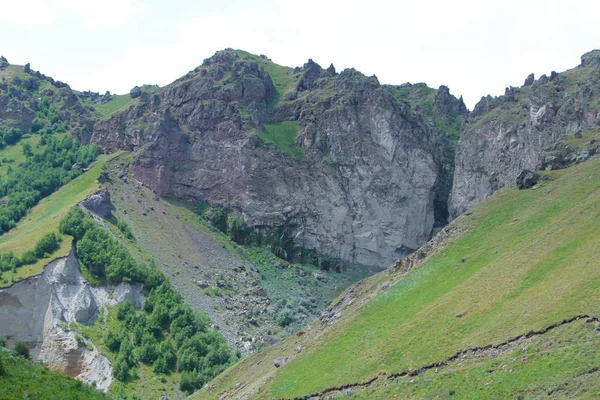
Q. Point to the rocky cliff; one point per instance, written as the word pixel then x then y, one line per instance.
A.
pixel 548 123
pixel 37 311
pixel 336 160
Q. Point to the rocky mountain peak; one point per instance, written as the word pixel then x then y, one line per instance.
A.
pixel 591 58
pixel 447 104
pixel 312 72
pixel 226 57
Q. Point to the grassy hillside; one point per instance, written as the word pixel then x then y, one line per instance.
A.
pixel 283 136
pixel 13 155
pixel 283 77
pixel 120 101
pixel 526 260
pixel 24 379
pixel 44 218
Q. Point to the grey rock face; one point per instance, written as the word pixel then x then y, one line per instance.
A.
pixel 529 80
pixel 524 129
pixel 526 179
pixel 34 310
pixel 446 104
pixel 99 203
pixel 135 92
pixel 364 191
pixel 591 58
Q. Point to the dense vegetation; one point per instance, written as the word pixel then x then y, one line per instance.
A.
pixel 21 378
pixel 62 160
pixel 102 255
pixel 166 334
pixel 9 136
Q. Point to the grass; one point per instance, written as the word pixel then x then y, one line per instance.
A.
pixel 14 154
pixel 283 77
pixel 13 71
pixel 530 259
pixel 422 97
pixel 24 379
pixel 117 102
pixel 45 217
pixel 579 74
pixel 583 142
pixel 120 101
pixel 507 376
pixel 283 136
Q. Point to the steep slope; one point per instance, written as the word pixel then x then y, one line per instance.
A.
pixel 526 261
pixel 37 310
pixel 549 123
pixel 246 290
pixel 44 218
pixel 335 161
pixel 24 379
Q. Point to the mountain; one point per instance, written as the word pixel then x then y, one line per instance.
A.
pixel 238 204
pixel 336 163
pixel 502 303
pixel 549 123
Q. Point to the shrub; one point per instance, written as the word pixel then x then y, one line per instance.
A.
pixel 285 317
pixel 49 243
pixel 160 366
pixel 190 381
pixel 22 349
pixel 121 370
pixel 124 228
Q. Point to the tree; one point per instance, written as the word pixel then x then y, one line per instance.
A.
pixel 22 349
pixel 48 244
pixel 160 366
pixel 121 370
pixel 27 150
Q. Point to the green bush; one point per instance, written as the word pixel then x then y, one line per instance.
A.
pixel 49 243
pixel 22 349
pixel 102 255
pixel 160 366
pixel 285 317
pixel 124 228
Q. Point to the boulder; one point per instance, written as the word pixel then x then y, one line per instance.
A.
pixel 279 362
pixel 99 203
pixel 526 179
pixel 135 92
pixel 529 80
pixel 27 68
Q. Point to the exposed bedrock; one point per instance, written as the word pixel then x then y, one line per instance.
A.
pixel 36 311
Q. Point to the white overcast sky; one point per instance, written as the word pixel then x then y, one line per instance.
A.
pixel 474 47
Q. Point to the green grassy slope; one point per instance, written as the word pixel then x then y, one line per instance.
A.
pixel 528 259
pixel 13 155
pixel 24 379
pixel 120 101
pixel 283 77
pixel 44 218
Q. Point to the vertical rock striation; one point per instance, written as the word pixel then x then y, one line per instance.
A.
pixel 332 158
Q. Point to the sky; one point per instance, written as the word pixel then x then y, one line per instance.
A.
pixel 474 47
